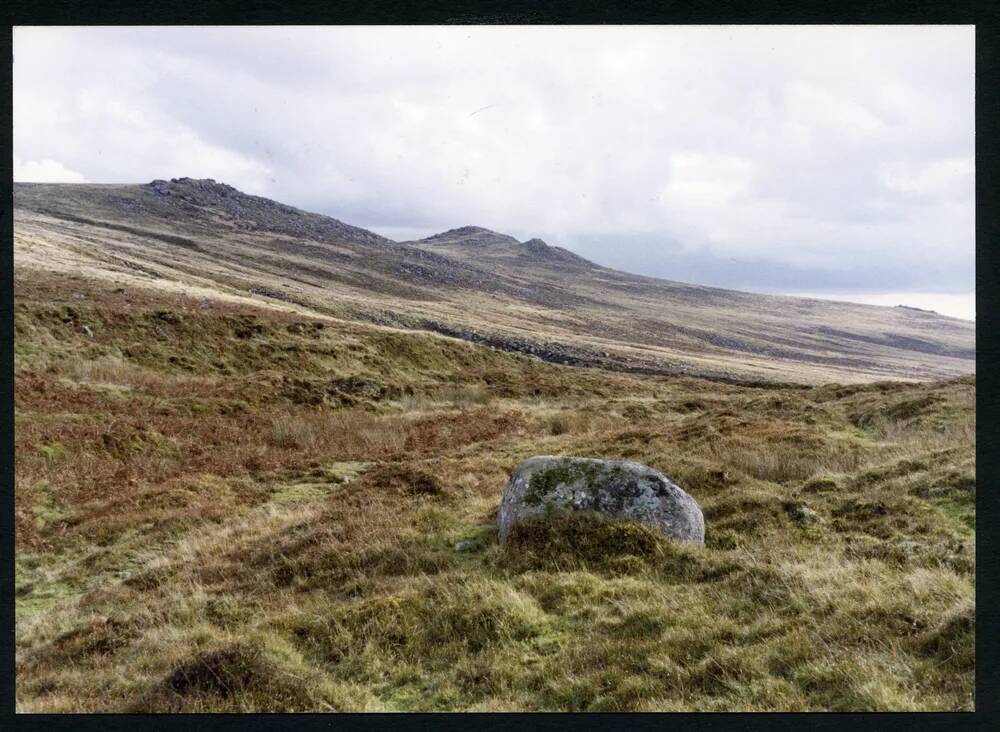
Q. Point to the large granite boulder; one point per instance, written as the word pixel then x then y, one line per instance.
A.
pixel 619 489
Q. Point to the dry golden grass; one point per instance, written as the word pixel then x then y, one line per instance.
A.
pixel 196 532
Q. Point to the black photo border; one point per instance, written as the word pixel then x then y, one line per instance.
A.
pixel 644 12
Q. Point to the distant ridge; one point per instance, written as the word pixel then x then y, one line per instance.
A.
pixel 470 235
pixel 475 284
pixel 465 240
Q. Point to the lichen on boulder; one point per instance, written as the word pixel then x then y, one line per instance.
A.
pixel 619 489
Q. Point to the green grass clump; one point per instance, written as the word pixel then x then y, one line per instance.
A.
pixel 587 540
pixel 952 641
pixel 442 621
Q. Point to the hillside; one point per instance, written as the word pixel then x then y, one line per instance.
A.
pixel 255 473
pixel 473 284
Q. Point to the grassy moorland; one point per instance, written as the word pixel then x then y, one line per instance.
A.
pixel 483 287
pixel 223 507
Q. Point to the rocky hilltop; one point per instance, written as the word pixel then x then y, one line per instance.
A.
pixel 190 195
pixel 475 242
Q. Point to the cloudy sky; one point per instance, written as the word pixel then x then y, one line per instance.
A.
pixel 829 161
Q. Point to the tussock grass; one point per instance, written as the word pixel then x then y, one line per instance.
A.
pixel 345 433
pixel 196 532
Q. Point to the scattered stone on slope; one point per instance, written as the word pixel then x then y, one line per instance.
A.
pixel 575 355
pixel 619 489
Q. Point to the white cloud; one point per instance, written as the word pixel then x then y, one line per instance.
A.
pixel 45 171
pixel 961 305
pixel 952 178
pixel 706 181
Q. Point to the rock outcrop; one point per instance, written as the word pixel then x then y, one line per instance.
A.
pixel 255 213
pixel 618 489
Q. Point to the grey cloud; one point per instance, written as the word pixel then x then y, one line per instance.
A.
pixel 667 259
